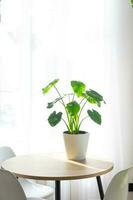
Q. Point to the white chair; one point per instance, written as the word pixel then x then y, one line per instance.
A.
pixel 31 189
pixel 10 188
pixel 118 187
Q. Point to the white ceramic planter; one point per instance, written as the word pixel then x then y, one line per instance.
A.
pixel 76 145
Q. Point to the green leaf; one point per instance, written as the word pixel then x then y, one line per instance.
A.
pixel 78 87
pixel 54 118
pixel 95 95
pixel 73 108
pixel 95 116
pixel 49 86
pixel 89 99
pixel 51 104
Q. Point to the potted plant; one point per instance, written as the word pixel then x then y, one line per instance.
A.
pixel 73 104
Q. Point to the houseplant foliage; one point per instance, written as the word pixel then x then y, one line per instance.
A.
pixel 132 3
pixel 73 105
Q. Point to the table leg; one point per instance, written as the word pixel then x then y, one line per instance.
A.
pixel 100 187
pixel 57 190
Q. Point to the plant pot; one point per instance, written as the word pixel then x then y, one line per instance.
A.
pixel 76 145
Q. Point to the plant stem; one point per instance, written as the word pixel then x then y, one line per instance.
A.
pixel 82 108
pixel 82 121
pixel 81 100
pixel 66 124
pixel 71 124
pixel 76 123
pixel 73 96
pixel 63 103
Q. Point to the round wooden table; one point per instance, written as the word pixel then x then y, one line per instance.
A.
pixel 57 168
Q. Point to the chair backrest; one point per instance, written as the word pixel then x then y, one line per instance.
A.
pixel 10 188
pixel 118 187
pixel 6 153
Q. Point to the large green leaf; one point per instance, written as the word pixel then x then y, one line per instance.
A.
pixel 49 86
pixel 78 87
pixel 73 108
pixel 94 95
pixel 89 99
pixel 54 118
pixel 95 116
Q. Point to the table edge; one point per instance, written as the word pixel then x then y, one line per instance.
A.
pixel 62 178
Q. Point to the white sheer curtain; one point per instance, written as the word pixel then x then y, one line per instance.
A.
pixel 14 75
pixel 82 40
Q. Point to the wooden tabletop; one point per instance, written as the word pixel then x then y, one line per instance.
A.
pixel 55 167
